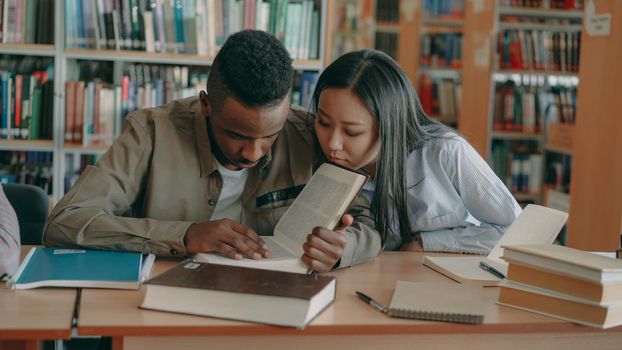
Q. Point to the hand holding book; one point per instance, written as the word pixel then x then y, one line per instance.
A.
pixel 324 246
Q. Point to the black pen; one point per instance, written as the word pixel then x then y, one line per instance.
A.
pixel 376 305
pixel 491 269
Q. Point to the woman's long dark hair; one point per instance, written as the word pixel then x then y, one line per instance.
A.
pixel 403 126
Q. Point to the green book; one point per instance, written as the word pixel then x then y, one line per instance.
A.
pixel 35 116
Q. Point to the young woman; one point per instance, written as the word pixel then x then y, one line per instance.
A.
pixel 428 189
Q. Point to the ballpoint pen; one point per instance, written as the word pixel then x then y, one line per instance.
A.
pixel 486 267
pixel 376 305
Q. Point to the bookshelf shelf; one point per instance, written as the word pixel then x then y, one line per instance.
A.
pixel 27 145
pixel 537 26
pixel 27 49
pixel 535 72
pixel 544 12
pixel 507 135
pixel 451 73
pixel 80 149
pixel 438 22
pixel 388 27
pixel 161 58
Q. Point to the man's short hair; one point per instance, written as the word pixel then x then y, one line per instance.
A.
pixel 254 68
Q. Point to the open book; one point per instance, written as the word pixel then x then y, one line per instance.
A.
pixel 322 202
pixel 535 225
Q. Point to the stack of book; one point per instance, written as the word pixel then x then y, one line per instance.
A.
pixel 565 283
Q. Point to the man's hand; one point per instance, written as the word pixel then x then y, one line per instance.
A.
pixel 226 237
pixel 324 247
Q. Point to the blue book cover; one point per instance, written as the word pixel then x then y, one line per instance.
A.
pixel 61 267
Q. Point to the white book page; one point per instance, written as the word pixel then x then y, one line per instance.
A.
pixel 535 225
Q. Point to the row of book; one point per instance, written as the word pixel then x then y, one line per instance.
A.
pixel 27 21
pixel 526 108
pixel 520 170
pixel 26 167
pixel 75 166
pixel 441 50
pixel 190 26
pixel 440 97
pixel 565 283
pixel 539 50
pixel 26 105
pixel 349 25
pixel 388 11
pixel 557 174
pixel 95 110
pixel 447 9
pixel 557 4
pixel 387 43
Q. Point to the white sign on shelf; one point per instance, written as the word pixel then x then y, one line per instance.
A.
pixel 596 25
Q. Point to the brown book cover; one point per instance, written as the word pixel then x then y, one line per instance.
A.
pixel 236 279
pixel 240 293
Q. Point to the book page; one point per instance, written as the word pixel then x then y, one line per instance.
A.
pixel 282 259
pixel 535 225
pixel 321 203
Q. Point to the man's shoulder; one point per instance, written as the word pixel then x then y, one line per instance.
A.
pixel 178 113
pixel 298 122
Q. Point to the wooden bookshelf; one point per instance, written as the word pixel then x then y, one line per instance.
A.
pixel 477 66
pixel 595 221
pixel 67 62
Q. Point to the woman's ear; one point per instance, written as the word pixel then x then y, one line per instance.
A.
pixel 206 108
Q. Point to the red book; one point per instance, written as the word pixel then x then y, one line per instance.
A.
pixel 18 105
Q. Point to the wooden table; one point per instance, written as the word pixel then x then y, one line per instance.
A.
pixel 347 324
pixel 29 316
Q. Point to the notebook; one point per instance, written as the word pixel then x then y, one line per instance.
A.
pixel 535 225
pixel 81 268
pixel 446 302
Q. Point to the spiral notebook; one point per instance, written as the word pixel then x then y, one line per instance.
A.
pixel 446 302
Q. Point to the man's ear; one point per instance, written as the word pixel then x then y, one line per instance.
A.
pixel 206 108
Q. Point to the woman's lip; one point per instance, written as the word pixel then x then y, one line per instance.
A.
pixel 335 160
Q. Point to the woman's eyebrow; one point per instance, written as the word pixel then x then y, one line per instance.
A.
pixel 347 122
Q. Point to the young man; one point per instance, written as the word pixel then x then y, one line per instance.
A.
pixel 208 174
pixel 9 237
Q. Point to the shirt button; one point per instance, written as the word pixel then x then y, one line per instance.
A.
pixel 211 202
pixel 174 251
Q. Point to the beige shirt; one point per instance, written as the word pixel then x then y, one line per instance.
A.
pixel 159 177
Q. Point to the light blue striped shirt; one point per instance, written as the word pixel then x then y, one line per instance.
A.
pixel 454 200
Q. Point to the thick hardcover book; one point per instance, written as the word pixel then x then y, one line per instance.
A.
pixel 561 306
pixel 322 202
pixel 535 225
pixel 60 267
pixel 239 293
pixel 566 261
pixel 562 283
